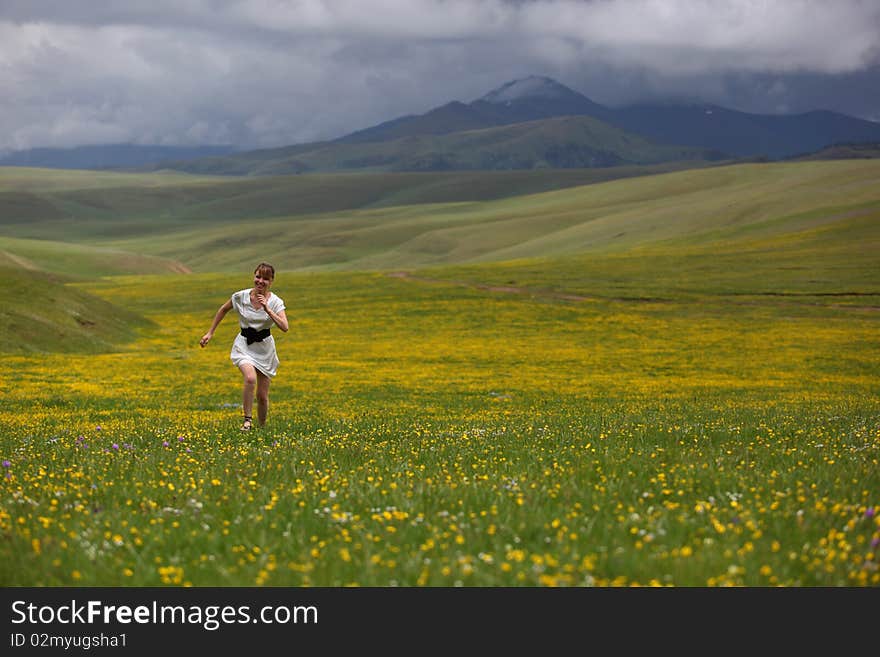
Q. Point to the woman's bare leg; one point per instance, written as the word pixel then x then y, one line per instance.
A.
pixel 249 384
pixel 262 397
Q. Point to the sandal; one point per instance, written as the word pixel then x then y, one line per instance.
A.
pixel 248 422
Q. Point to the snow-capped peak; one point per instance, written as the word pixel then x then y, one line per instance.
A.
pixel 534 86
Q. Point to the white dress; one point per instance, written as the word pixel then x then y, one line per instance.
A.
pixel 261 354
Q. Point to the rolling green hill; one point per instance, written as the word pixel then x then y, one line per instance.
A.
pixel 80 261
pixel 43 313
pixel 382 221
pixel 708 207
pixel 797 228
pixel 80 205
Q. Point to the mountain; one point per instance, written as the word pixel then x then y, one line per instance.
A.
pixel 705 126
pixel 530 123
pixel 537 97
pixel 107 156
pixel 518 125
pixel 528 99
pixel 563 142
pixel 742 134
pixel 482 134
pixel 452 117
pixel 858 151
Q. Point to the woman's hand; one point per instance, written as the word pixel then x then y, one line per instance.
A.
pixel 261 299
pixel 221 313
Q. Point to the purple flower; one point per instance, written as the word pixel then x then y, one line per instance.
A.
pixel 164 443
pixel 869 512
pixel 875 542
pixel 98 428
pixel 6 464
pixel 115 446
pixel 180 439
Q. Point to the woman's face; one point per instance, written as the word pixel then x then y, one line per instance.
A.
pixel 262 280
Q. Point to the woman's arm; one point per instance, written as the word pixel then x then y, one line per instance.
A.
pixel 218 317
pixel 280 318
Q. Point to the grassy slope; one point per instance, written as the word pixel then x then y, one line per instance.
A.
pixel 79 206
pixel 724 436
pixel 789 229
pixel 79 260
pixel 748 435
pixel 386 221
pixel 713 209
pixel 26 179
pixel 43 314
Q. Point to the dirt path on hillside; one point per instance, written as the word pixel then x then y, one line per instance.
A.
pixel 24 263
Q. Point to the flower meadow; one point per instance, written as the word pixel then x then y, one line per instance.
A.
pixel 445 435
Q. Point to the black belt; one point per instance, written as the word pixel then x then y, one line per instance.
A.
pixel 253 335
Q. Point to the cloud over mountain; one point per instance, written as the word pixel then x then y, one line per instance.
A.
pixel 268 72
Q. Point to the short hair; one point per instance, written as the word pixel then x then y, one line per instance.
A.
pixel 265 270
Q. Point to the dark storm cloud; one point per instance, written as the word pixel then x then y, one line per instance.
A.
pixel 273 72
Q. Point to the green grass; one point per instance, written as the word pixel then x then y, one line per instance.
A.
pixel 694 405
pixel 436 435
pixel 834 264
pixel 41 314
pixel 80 261
pixel 34 180
pixel 725 207
pixel 86 206
pixel 349 221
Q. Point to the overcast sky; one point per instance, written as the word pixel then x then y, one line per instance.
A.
pixel 257 73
